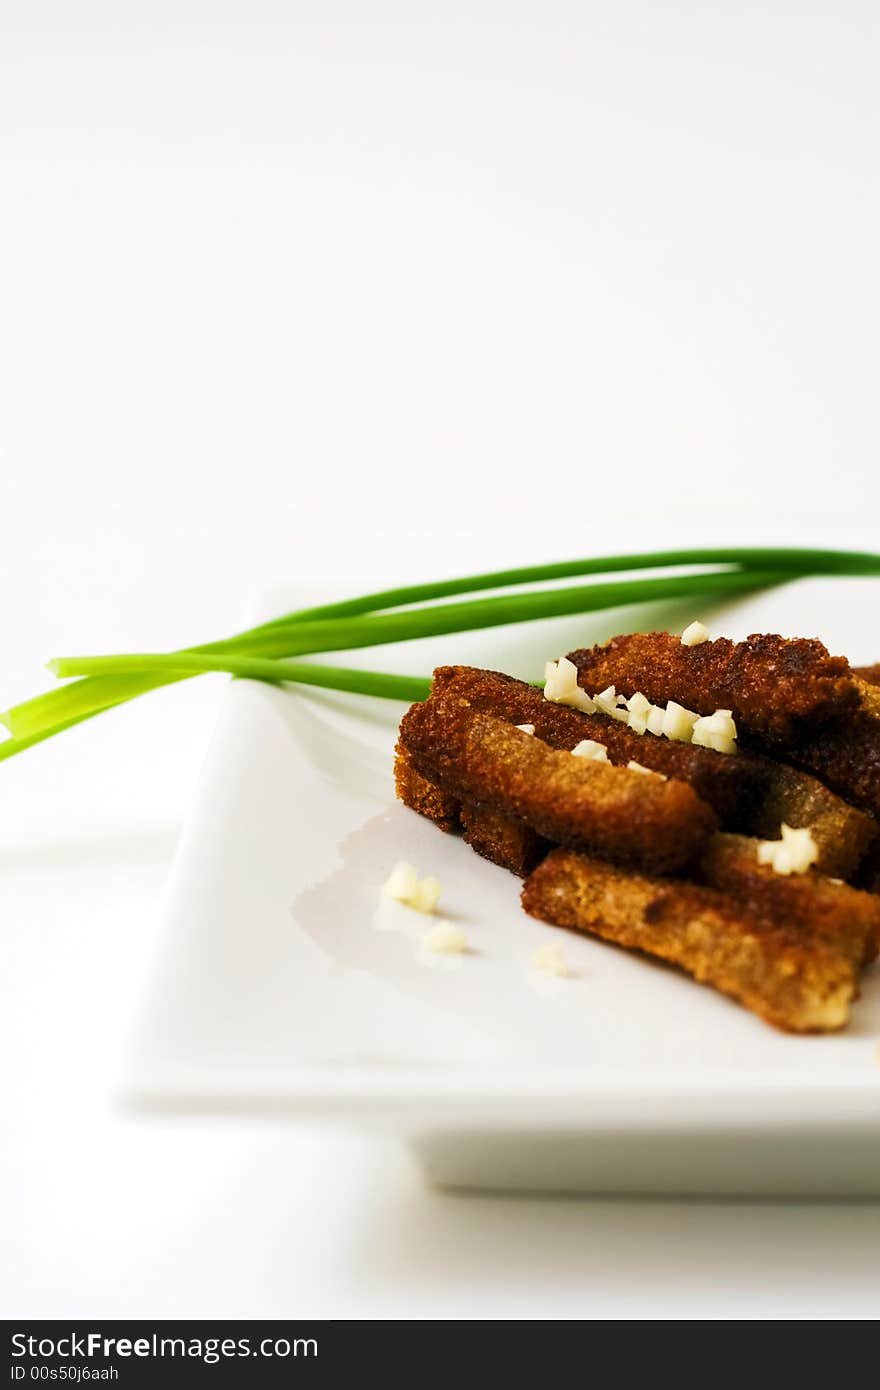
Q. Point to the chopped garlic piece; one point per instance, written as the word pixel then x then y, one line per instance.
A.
pixel 610 703
pixel 445 940
pixel 639 708
pixel 606 700
pixel 694 635
pixel 567 670
pixel 427 896
pixel 526 728
pixel 589 748
pixel 793 854
pixel 655 719
pixel 402 882
pixel 405 886
pixel 716 731
pixel 550 961
pixel 561 686
pixel 678 722
pixel 638 703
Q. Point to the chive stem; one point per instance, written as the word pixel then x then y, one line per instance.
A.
pixel 51 713
pixel 343 634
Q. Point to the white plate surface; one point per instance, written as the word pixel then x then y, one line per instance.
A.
pixel 287 985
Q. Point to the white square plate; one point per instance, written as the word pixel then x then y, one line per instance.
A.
pixel 287 985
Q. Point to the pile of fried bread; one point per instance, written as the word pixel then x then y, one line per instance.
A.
pixel 712 805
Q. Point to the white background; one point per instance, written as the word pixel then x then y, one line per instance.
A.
pixel 350 293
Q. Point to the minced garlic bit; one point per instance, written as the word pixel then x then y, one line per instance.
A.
pixel 405 886
pixel 633 766
pixel 610 703
pixel 444 939
pixel 639 709
pixel 654 721
pixel 678 723
pixel 793 854
pixel 526 728
pixel 716 731
pixel 550 961
pixel 561 686
pixel 694 635
pixel 589 748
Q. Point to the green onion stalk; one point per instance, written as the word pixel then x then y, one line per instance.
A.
pixel 273 651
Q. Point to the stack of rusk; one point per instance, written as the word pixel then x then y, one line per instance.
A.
pixel 669 865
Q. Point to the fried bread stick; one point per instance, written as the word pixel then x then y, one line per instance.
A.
pixel 487 762
pixel 502 839
pixel 796 984
pixel 778 689
pixel 842 917
pixel 733 787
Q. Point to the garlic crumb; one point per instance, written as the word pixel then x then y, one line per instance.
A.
pixel 526 728
pixel 792 854
pixel 444 939
pixel 404 886
pixel 561 686
pixel 549 960
pixel 694 635
pixel 716 731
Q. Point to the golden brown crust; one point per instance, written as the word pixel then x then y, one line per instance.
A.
pixel 777 688
pixel 487 762
pixel 797 984
pixel 733 787
pixel 834 913
pixel 423 796
pixel 842 833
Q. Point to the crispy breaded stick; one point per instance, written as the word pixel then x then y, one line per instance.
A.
pixel 505 841
pixel 733 787
pixel 566 799
pixel 846 754
pixel 841 832
pixel 778 689
pixel 797 984
pixel 842 917
pixel 424 796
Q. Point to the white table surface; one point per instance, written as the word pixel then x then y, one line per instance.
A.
pixel 353 301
